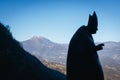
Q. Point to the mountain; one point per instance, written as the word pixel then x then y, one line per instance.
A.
pixel 54 55
pixel 110 59
pixel 42 47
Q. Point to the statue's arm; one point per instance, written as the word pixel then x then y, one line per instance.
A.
pixel 99 47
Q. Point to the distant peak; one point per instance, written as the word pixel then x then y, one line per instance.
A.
pixel 37 37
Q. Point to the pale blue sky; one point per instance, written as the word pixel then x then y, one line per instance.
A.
pixel 58 20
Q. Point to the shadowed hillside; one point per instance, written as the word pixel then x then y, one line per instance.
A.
pixel 18 64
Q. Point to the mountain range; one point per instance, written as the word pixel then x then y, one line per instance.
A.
pixel 52 52
pixel 48 50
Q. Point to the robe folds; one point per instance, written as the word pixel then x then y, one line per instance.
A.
pixel 82 59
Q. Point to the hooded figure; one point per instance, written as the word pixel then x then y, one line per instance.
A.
pixel 82 59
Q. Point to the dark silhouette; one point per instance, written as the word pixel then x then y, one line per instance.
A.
pixel 17 64
pixel 83 61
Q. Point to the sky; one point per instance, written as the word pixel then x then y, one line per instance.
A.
pixel 58 20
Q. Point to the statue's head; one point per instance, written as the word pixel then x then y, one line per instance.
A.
pixel 92 23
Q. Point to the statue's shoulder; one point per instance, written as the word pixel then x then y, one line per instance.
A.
pixel 81 29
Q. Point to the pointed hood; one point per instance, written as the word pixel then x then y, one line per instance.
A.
pixel 93 21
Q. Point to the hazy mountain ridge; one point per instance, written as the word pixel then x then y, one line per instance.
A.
pixel 110 59
pixel 55 55
pixel 42 47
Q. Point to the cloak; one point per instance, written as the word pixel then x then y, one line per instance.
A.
pixel 82 59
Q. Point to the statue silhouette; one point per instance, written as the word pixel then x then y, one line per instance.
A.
pixel 18 64
pixel 82 60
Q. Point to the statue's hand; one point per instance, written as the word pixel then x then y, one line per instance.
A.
pixel 99 47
